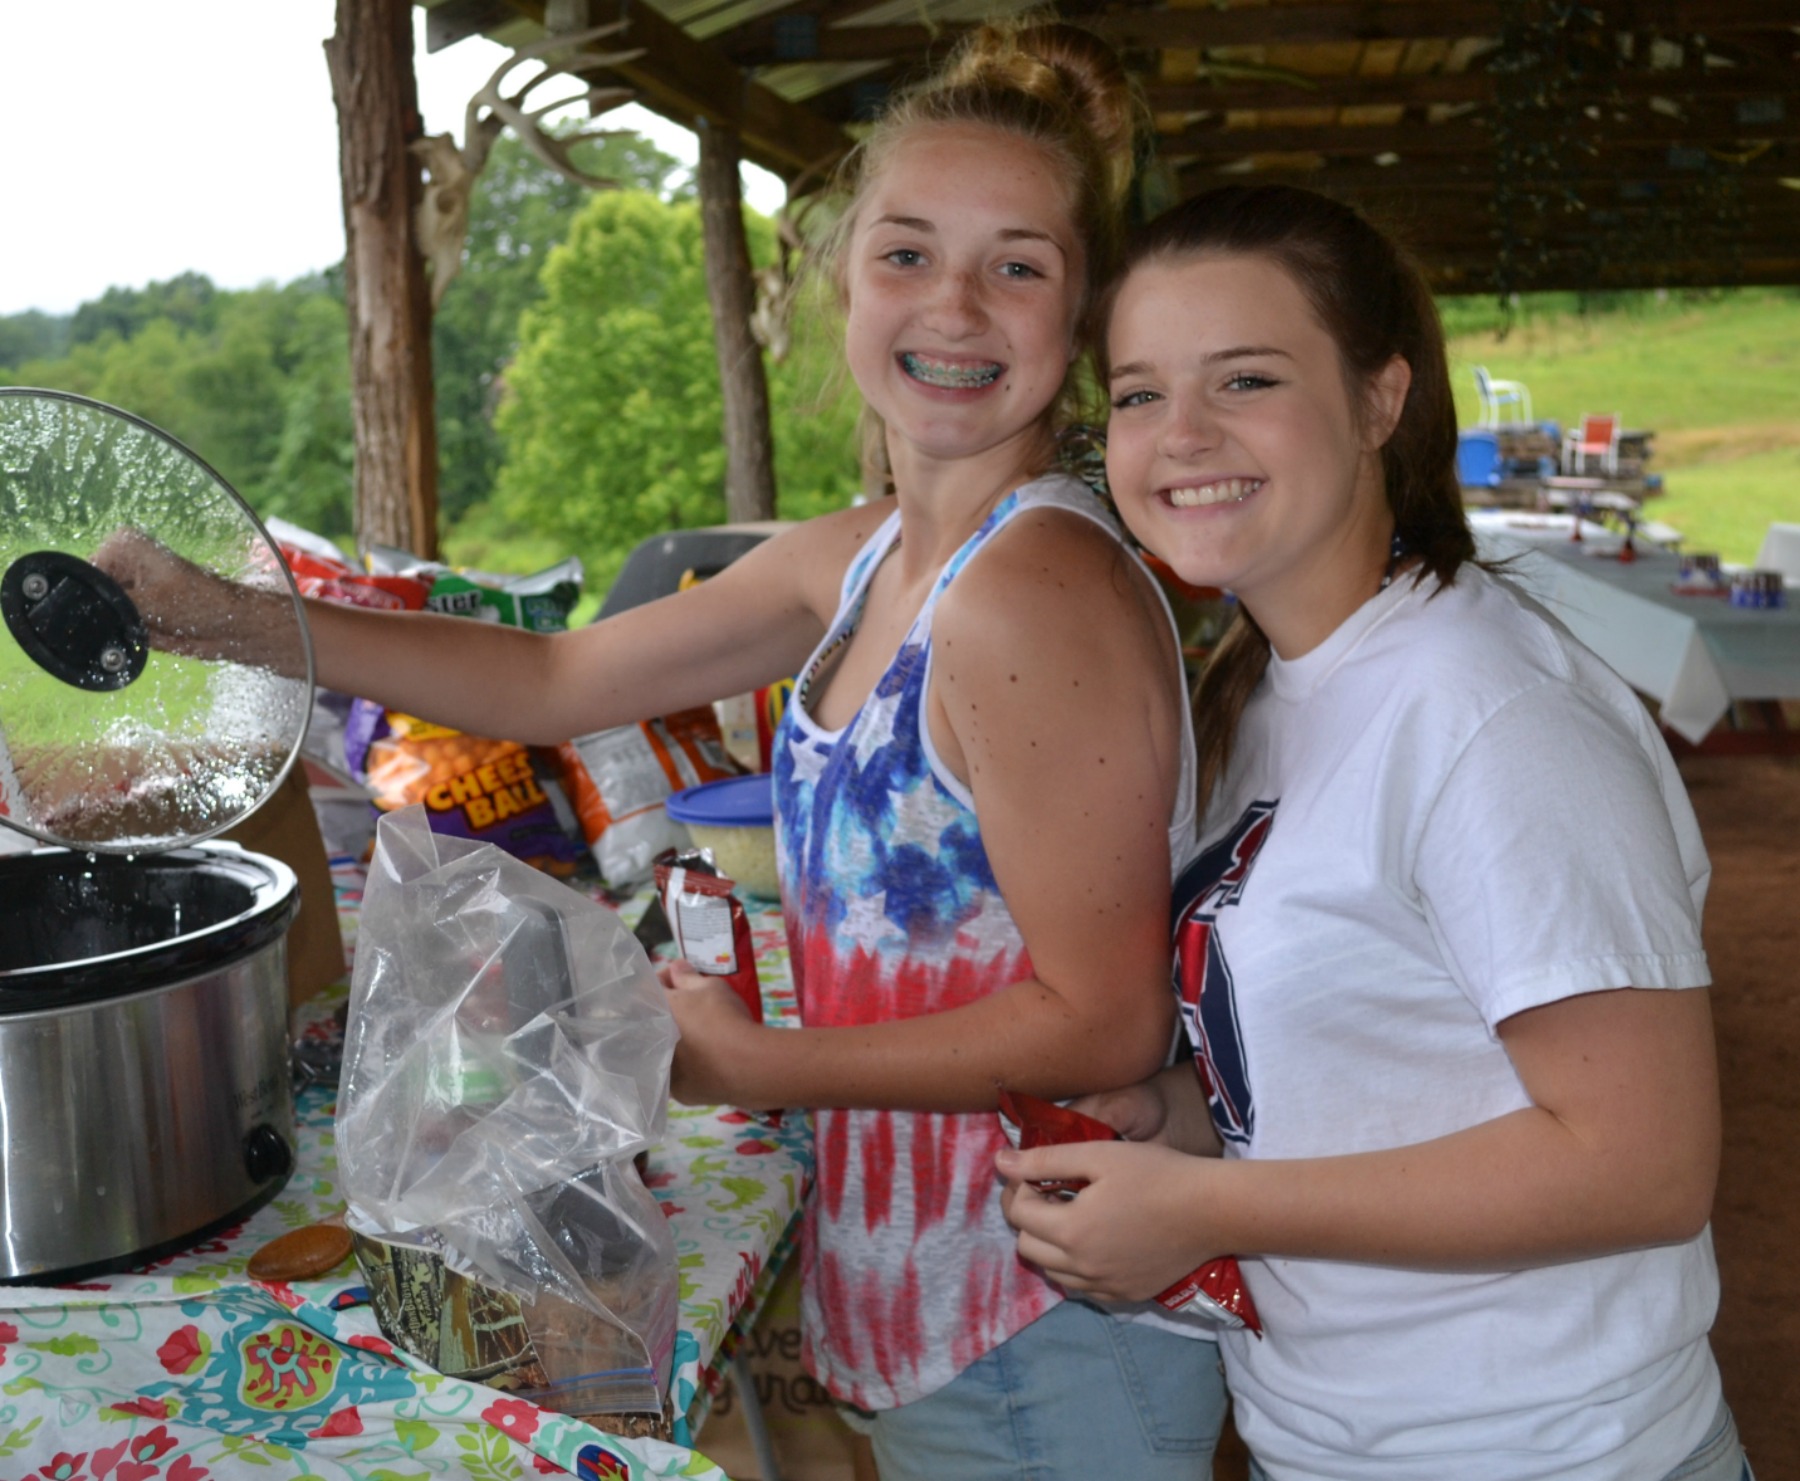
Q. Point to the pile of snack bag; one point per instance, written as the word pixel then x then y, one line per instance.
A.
pixel 597 797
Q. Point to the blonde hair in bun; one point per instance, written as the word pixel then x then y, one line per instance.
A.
pixel 1050 83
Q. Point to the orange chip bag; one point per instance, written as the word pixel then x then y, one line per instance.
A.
pixel 473 787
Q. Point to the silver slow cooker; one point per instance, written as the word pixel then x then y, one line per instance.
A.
pixel 145 1098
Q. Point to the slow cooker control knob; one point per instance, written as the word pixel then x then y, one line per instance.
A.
pixel 267 1155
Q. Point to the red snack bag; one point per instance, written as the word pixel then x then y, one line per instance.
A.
pixel 711 930
pixel 1216 1290
pixel 316 577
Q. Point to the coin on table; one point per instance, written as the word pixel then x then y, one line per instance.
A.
pixel 301 1254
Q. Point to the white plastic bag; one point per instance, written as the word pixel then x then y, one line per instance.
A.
pixel 506 1054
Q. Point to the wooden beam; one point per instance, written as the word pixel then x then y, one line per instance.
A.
pixel 1416 90
pixel 1409 140
pixel 766 43
pixel 754 44
pixel 1616 168
pixel 731 290
pixel 1412 20
pixel 388 303
pixel 685 80
pixel 1437 238
pixel 457 20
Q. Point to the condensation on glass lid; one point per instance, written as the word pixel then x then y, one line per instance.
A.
pixel 192 743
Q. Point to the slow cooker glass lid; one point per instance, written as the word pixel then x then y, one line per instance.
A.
pixel 107 744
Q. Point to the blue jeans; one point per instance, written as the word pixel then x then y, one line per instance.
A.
pixel 1719 1457
pixel 1076 1395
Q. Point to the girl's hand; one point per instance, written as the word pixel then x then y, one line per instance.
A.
pixel 1168 1108
pixel 719 1040
pixel 196 613
pixel 1130 1234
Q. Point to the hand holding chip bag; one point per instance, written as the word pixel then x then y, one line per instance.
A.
pixel 1214 1290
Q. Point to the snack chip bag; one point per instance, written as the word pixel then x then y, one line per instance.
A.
pixel 1216 1290
pixel 539 603
pixel 489 790
pixel 321 570
pixel 710 928
pixel 618 781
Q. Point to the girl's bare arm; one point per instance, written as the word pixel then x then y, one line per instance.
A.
pixel 1057 679
pixel 754 622
pixel 1619 1149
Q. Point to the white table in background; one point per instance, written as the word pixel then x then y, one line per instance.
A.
pixel 1694 655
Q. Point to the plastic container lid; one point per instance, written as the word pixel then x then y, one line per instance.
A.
pixel 107 745
pixel 733 802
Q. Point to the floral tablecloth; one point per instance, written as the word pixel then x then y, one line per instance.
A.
pixel 187 1369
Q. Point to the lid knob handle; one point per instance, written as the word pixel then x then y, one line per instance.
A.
pixel 73 620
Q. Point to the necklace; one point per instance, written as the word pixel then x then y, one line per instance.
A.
pixel 1397 552
pixel 803 690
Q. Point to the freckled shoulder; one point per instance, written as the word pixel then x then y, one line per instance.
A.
pixel 819 551
pixel 1053 573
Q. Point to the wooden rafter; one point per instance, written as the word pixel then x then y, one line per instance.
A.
pixel 840 39
pixel 1420 90
pixel 687 79
pixel 1680 106
pixel 1462 139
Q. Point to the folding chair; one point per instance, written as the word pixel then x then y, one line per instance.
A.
pixel 1596 437
pixel 1495 394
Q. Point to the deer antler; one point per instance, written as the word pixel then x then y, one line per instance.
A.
pixel 509 111
pixel 442 220
pixel 778 284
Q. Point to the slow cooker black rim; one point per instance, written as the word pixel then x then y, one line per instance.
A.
pixel 55 987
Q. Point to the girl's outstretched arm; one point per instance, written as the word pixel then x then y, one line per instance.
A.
pixel 1057 696
pixel 754 622
pixel 1619 1149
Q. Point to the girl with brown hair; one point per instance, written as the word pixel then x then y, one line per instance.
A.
pixel 1452 1096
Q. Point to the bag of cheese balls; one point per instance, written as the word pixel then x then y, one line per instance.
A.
pixel 491 790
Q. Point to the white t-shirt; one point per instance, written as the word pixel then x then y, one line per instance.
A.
pixel 1447 813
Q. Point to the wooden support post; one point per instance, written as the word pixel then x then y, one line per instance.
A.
pixel 385 289
pixel 731 290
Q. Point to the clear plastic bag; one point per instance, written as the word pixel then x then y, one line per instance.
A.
pixel 506 1055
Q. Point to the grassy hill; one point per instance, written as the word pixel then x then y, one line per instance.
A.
pixel 1717 379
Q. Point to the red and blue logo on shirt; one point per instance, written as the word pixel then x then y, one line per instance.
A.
pixel 1211 884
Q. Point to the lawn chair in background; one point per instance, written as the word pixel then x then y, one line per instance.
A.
pixel 1495 394
pixel 1781 551
pixel 1595 437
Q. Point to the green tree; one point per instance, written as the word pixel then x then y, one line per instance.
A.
pixel 519 210
pixel 309 478
pixel 257 384
pixel 611 417
pixel 189 301
pixel 612 411
pixel 32 335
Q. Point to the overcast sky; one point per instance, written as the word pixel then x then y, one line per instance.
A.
pixel 139 140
